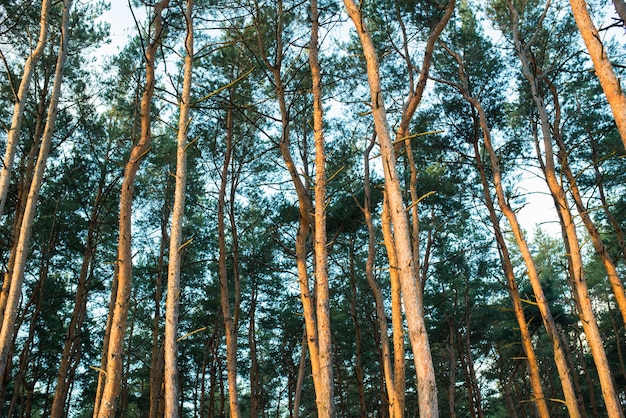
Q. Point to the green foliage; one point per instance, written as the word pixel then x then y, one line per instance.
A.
pixel 467 310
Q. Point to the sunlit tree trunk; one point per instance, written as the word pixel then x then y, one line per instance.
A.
pixel 324 388
pixel 416 92
pixel 507 266
pixel 27 168
pixel 316 304
pixel 411 292
pixel 578 280
pixel 22 388
pixel 15 291
pixel 114 351
pixel 170 344
pixel 396 408
pixel 603 67
pixel 533 275
pixel 20 102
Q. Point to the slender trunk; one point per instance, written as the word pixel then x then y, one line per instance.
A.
pixel 15 291
pixel 395 406
pixel 411 103
pixel 300 380
pixel 603 67
pixel 20 384
pixel 619 232
pixel 23 186
pixel 411 292
pixel 20 103
pixel 322 384
pixel 450 344
pixel 358 355
pixel 157 360
pixel 255 387
pixel 229 322
pixel 114 351
pixel 170 344
pixel 71 347
pixel 596 238
pixel 396 388
pixel 507 266
pixel 578 280
pixel 324 389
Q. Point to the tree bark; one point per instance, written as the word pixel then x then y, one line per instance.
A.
pixel 411 292
pixel 395 404
pixel 604 70
pixel 578 280
pixel 20 103
pixel 170 344
pixel 114 350
pixel 15 291
pixel 507 266
pixel 324 387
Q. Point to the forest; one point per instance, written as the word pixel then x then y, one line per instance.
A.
pixel 285 208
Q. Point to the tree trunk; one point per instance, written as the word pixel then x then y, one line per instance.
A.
pixel 157 359
pixel 115 348
pixel 358 355
pixel 229 322
pixel 619 232
pixel 15 291
pixel 71 347
pixel 411 292
pixel 324 387
pixel 578 280
pixel 395 405
pixel 20 103
pixel 507 266
pixel 596 238
pixel 255 387
pixel 170 344
pixel 603 67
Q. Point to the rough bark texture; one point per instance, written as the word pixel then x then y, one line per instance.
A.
pixel 411 293
pixel 115 349
pixel 20 102
pixel 578 280
pixel 395 406
pixel 15 291
pixel 604 70
pixel 507 266
pixel 170 344
pixel 533 368
pixel 324 388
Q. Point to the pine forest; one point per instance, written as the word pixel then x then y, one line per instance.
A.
pixel 317 208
